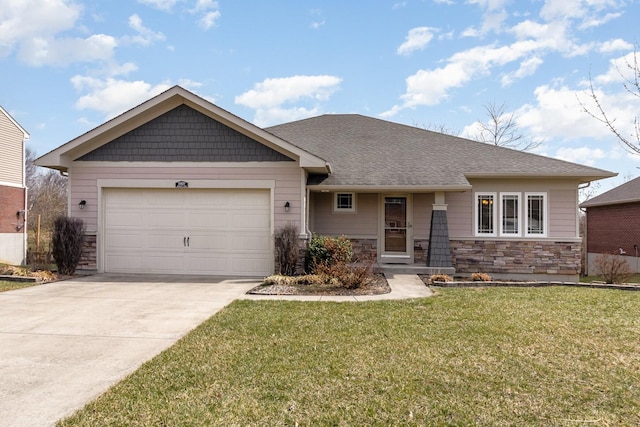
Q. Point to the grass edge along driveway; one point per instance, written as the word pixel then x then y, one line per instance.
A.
pixel 494 356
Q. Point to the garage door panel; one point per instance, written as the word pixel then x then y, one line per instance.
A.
pixel 123 263
pixel 228 231
pixel 124 219
pixel 212 241
pixel 126 240
pixel 210 219
pixel 209 264
pixel 251 243
pixel 163 262
pixel 166 219
pixel 250 221
pixel 163 241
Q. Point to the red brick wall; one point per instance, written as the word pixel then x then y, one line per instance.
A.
pixel 11 201
pixel 612 227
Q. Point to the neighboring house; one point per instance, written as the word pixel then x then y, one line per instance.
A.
pixel 613 224
pixel 179 185
pixel 13 191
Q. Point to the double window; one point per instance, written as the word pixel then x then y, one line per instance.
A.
pixel 503 214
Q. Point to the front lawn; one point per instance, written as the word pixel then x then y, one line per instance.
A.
pixel 487 356
pixel 6 285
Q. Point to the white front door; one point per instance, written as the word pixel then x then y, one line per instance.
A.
pixel 396 229
pixel 187 231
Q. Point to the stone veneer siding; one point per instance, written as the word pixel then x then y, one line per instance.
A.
pixel 89 253
pixel 516 257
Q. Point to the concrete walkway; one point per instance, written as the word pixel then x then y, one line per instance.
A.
pixel 64 343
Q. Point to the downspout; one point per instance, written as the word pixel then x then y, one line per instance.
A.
pixel 584 240
pixel 306 214
pixel 25 233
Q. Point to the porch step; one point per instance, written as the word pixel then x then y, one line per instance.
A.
pixel 413 269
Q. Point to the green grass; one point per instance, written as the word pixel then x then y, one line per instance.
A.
pixel 495 356
pixel 6 285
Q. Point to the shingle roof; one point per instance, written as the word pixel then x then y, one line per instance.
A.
pixel 365 151
pixel 626 193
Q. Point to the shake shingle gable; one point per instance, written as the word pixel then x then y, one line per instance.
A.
pixel 365 151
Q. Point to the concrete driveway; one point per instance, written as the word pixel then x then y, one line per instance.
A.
pixel 64 343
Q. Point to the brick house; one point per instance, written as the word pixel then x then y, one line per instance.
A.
pixel 613 224
pixel 13 191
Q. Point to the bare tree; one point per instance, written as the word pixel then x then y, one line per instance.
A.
pixel 47 195
pixel 501 128
pixel 630 142
pixel 440 128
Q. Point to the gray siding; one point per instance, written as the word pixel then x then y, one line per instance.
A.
pixel 184 135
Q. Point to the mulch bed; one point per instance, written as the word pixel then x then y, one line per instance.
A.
pixel 376 287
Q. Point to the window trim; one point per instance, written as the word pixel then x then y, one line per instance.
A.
pixel 518 213
pixel 545 213
pixel 337 209
pixel 477 195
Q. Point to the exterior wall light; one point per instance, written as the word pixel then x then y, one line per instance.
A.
pixel 82 204
pixel 287 206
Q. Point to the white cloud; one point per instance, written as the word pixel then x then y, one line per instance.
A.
pixel 558 114
pixel 614 46
pixel 208 11
pixel 318 21
pixel 588 12
pixel 165 5
pixel 269 97
pixel 527 68
pixel 620 69
pixel 60 52
pixel 417 39
pixel 582 155
pixel 33 29
pixel 145 35
pixel 112 96
pixel 209 19
pixel 596 20
pixel 430 87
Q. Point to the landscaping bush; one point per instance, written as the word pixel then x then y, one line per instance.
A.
pixel 327 250
pixel 612 268
pixel 67 242
pixel 440 278
pixel 286 246
pixel 480 277
pixel 345 275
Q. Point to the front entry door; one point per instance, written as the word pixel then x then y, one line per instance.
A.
pixel 397 237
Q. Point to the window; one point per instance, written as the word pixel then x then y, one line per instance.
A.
pixel 509 210
pixel 515 216
pixel 485 213
pixel 536 214
pixel 344 202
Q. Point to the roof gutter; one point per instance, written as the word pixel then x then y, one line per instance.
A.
pixel 389 188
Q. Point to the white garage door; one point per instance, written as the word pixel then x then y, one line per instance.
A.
pixel 187 231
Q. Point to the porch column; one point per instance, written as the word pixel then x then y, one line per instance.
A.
pixel 439 253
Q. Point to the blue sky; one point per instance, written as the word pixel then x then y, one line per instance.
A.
pixel 69 65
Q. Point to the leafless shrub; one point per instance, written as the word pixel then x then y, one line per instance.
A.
pixel 68 243
pixel 612 268
pixel 286 246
